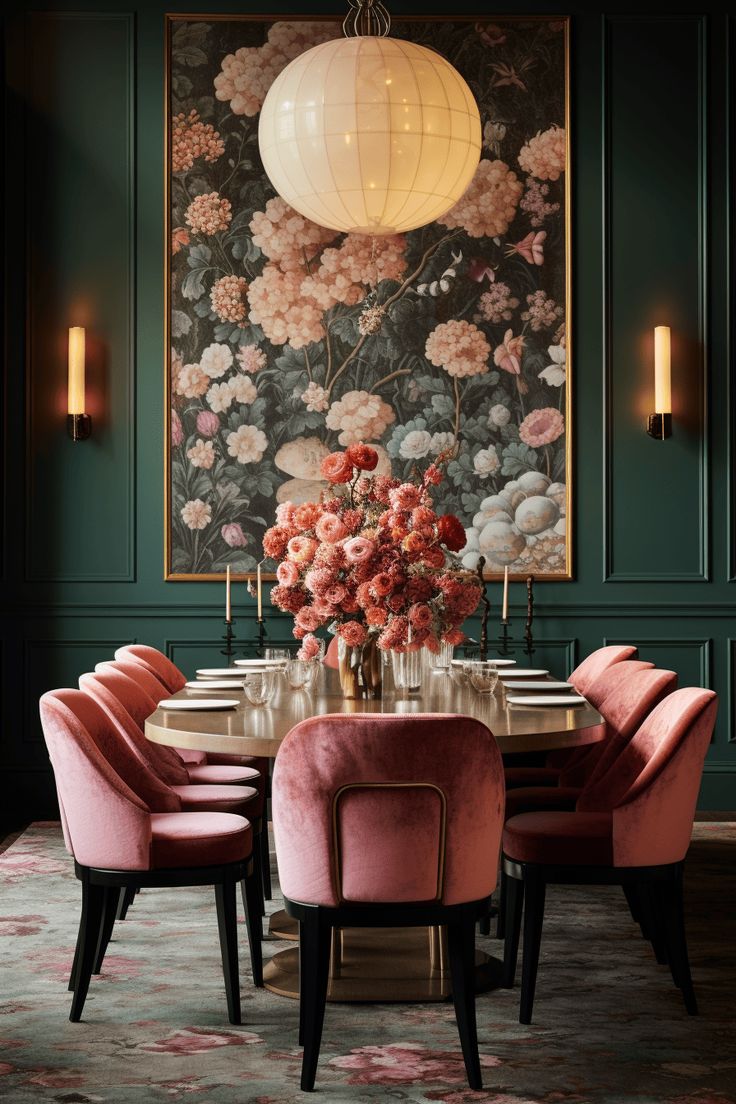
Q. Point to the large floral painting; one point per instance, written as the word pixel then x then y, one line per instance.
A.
pixel 288 341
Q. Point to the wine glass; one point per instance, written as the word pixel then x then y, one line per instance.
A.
pixel 298 673
pixel 259 686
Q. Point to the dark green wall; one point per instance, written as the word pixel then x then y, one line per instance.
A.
pixel 655 550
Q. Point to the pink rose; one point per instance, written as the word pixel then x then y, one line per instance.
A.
pixel 319 579
pixel 309 649
pixel 542 427
pixel 405 497
pixel 353 633
pixel 208 424
pixel 302 549
pixel 420 615
pixel 307 620
pixel 335 594
pixel 177 433
pixel 359 549
pixel 324 609
pixel 233 535
pixel 330 529
pixel 287 573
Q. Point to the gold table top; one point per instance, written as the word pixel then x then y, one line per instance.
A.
pixel 259 730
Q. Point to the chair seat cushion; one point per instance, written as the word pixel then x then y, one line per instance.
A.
pixel 217 799
pixel 198 839
pixel 530 776
pixel 219 775
pixel 559 838
pixel 530 799
pixel 190 756
pixel 258 762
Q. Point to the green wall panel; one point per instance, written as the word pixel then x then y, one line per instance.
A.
pixel 652 145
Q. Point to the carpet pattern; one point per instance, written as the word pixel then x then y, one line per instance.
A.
pixel 609 1025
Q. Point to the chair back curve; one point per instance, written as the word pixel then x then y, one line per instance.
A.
pixel 159 664
pixel 387 809
pixel 612 678
pixel 597 662
pixel 108 825
pixel 140 675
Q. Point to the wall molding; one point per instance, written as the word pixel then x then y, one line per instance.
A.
pixel 704 646
pixel 610 574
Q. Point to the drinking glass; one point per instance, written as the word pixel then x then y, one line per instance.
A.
pixel 276 653
pixel 259 686
pixel 441 660
pixel 482 676
pixel 298 673
pixel 407 668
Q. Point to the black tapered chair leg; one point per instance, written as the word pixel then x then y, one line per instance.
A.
pixel 653 922
pixel 314 961
pixel 127 897
pixel 251 891
pixel 75 961
pixel 228 929
pixel 109 911
pixel 501 918
pixel 674 916
pixel 258 869
pixel 534 894
pixel 89 929
pixel 632 900
pixel 302 967
pixel 461 945
pixel 266 859
pixel 484 925
pixel 514 903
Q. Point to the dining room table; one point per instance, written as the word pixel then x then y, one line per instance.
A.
pixel 407 964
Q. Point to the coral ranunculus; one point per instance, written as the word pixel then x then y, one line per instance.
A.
pixel 287 573
pixel 359 549
pixel 451 532
pixel 337 468
pixel 330 528
pixel 362 456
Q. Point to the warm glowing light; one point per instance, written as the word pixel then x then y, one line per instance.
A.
pixel 426 151
pixel 662 370
pixel 75 391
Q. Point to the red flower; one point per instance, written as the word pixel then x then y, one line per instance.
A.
pixel 433 476
pixel 337 467
pixel 451 532
pixel 362 456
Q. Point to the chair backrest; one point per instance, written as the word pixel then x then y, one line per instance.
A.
pixel 331 658
pixel 660 771
pixel 124 702
pixel 613 677
pixel 138 674
pixel 108 824
pixel 624 710
pixel 596 663
pixel 388 808
pixel 159 664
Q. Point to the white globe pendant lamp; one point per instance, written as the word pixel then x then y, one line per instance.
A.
pixel 368 133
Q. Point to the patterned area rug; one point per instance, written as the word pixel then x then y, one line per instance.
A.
pixel 610 1027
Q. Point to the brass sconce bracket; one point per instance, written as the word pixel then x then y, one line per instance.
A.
pixel 659 426
pixel 79 426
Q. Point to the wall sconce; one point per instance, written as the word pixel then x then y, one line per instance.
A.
pixel 78 423
pixel 659 424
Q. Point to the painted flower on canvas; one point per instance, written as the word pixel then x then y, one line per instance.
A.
pixel 289 342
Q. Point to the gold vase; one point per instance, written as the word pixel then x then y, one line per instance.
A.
pixel 360 669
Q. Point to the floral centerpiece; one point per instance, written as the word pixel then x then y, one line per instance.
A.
pixel 374 561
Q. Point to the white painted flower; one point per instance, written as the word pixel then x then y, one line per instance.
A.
pixel 247 444
pixel 416 444
pixel 196 514
pixel 201 454
pixel 486 462
pixel 219 397
pixel 216 359
pixel 500 415
pixel 555 373
pixel 315 398
pixel 441 442
pixel 242 389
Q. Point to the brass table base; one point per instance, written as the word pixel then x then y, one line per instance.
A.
pixel 283 926
pixel 383 964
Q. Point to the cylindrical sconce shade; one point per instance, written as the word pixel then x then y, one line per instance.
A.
pixel 662 362
pixel 75 394
pixel 371 135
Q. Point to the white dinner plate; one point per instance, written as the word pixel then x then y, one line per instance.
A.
pixel 199 704
pixel 550 686
pixel 491 659
pixel 546 700
pixel 522 672
pixel 260 662
pixel 219 672
pixel 212 684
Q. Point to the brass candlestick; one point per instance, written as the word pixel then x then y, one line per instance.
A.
pixel 486 610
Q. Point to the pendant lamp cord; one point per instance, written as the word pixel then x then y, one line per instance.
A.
pixel 366 17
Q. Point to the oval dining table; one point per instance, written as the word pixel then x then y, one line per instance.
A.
pixel 406 964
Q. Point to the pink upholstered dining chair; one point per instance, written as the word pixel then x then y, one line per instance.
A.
pixel 634 831
pixel 596 663
pixel 124 829
pixel 353 798
pixel 156 662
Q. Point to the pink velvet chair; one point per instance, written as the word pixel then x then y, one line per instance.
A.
pixel 387 821
pixel 632 831
pixel 124 829
pixel 157 663
pixel 593 666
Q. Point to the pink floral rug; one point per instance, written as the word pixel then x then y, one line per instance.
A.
pixel 610 1027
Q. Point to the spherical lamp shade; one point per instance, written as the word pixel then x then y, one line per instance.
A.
pixel 369 134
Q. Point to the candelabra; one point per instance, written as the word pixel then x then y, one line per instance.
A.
pixel 505 639
pixel 486 610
